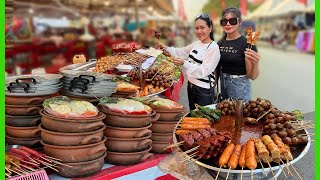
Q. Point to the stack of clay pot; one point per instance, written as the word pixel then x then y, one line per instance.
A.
pixel 162 130
pixel 129 136
pixel 22 120
pixel 77 142
pixel 24 97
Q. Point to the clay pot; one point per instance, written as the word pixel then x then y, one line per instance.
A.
pixel 17 100
pixel 71 125
pixel 163 137
pixel 128 144
pixel 71 139
pixel 117 132
pixel 24 110
pixel 158 147
pixel 23 132
pixel 23 121
pixel 128 120
pixel 163 127
pixel 125 159
pixel 81 169
pixel 29 142
pixel 76 153
pixel 170 114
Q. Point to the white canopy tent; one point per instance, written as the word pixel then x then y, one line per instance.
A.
pixel 287 7
pixel 261 11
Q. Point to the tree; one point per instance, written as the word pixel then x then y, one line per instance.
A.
pixel 216 5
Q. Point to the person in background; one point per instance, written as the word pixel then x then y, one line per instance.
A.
pixel 239 65
pixel 200 60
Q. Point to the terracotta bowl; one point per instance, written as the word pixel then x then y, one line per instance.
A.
pixel 128 120
pixel 170 114
pixel 71 139
pixel 163 127
pixel 76 153
pixel 23 132
pixel 23 121
pixel 158 147
pixel 81 169
pixel 23 110
pixel 128 144
pixel 71 125
pixel 126 159
pixel 117 132
pixel 29 142
pixel 33 100
pixel 163 137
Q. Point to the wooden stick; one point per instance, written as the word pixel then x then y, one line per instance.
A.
pixel 53 158
pixel 33 160
pixel 311 134
pixel 289 172
pixel 16 172
pixel 8 170
pixel 271 170
pixel 30 163
pixel 294 169
pixel 265 114
pixel 264 171
pixel 31 169
pixel 18 167
pixel 218 173
pixel 190 150
pixel 48 165
pixel 174 145
pixel 57 162
pixel 284 173
pixel 251 174
pixel 188 157
pixel 7 175
pixel 241 173
pixel 228 173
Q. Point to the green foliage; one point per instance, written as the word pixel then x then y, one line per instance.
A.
pixel 212 5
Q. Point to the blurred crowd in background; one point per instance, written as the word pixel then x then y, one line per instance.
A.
pixel 48 33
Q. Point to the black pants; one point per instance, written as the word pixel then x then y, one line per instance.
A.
pixel 199 95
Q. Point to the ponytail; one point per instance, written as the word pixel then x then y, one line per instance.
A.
pixel 211 35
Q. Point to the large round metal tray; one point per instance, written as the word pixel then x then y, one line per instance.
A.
pixel 257 173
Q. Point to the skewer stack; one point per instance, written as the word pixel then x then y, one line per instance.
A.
pixel 23 160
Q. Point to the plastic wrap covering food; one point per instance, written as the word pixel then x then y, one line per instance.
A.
pixel 125 106
pixel 62 106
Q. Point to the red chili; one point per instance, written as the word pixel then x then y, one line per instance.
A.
pixel 31 151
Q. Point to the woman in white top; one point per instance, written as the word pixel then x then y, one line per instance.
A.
pixel 200 60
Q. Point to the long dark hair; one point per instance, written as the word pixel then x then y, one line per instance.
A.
pixel 208 20
pixel 235 12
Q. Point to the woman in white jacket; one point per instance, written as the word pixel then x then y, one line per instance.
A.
pixel 200 60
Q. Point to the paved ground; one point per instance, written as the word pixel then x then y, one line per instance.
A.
pixel 287 80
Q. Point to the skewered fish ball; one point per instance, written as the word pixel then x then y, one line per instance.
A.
pixel 272 126
pixel 291 132
pixel 271 116
pixel 283 134
pixel 287 140
pixel 304 140
pixel 295 141
pixel 279 126
pixel 287 125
